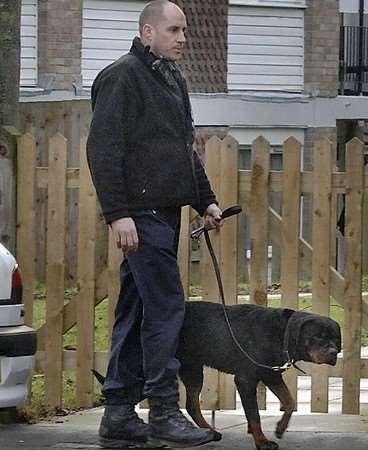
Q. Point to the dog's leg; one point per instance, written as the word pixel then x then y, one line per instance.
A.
pixel 247 389
pixel 282 392
pixel 192 379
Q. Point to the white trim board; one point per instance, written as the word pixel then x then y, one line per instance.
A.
pixel 270 3
pixel 302 112
pixel 352 6
pixel 275 136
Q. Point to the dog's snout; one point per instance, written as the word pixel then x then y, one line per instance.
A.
pixel 332 355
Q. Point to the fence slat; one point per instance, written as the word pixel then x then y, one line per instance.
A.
pixel 259 220
pixel 353 276
pixel 322 166
pixel 209 396
pixel 260 164
pixel 229 249
pixel 290 224
pixel 290 237
pixel 114 259
pixel 213 170
pixel 55 257
pixel 26 220
pixel 86 282
pixel 184 250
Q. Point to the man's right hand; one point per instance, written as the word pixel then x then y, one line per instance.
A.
pixel 125 234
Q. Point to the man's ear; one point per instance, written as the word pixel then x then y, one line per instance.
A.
pixel 147 32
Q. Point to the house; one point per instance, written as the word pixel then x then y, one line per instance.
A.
pixel 254 67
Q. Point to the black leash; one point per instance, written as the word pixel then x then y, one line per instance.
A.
pixel 195 235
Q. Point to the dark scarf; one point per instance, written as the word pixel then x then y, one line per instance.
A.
pixel 170 73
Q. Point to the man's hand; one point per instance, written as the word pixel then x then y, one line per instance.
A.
pixel 212 217
pixel 125 234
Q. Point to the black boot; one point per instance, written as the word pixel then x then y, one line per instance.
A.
pixel 122 428
pixel 169 426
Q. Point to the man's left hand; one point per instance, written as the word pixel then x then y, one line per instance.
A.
pixel 212 217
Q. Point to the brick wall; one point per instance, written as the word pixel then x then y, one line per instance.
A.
pixel 203 134
pixel 311 135
pixel 205 60
pixel 59 43
pixel 322 47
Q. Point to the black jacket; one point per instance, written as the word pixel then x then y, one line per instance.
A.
pixel 140 142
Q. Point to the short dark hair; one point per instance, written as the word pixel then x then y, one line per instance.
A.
pixel 152 13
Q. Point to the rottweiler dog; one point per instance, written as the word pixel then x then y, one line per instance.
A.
pixel 265 333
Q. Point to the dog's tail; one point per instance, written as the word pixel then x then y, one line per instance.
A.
pixel 100 378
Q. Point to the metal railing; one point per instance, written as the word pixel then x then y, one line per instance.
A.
pixel 353 73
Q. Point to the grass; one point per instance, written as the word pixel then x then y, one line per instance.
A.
pixel 37 408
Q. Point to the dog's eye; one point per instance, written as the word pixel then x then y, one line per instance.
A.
pixel 318 340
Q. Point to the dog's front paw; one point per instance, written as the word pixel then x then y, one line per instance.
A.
pixel 217 436
pixel 267 445
pixel 280 430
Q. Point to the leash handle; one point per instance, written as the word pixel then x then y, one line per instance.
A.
pixel 228 212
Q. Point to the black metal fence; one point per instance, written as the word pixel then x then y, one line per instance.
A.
pixel 353 75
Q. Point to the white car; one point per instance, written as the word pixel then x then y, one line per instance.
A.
pixel 18 343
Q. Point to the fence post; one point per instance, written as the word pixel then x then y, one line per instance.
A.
pixel 55 269
pixel 321 229
pixel 86 282
pixel 353 276
pixel 26 220
pixel 290 237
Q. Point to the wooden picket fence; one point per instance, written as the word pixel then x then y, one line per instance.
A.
pixel 250 189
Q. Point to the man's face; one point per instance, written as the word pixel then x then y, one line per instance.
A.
pixel 167 38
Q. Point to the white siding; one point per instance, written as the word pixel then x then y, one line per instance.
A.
pixel 28 40
pixel 108 29
pixel 265 49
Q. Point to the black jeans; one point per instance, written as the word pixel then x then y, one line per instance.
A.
pixel 149 314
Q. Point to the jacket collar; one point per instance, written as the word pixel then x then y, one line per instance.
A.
pixel 142 52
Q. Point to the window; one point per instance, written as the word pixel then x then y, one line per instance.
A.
pixel 28 39
pixel 109 27
pixel 245 155
pixel 266 46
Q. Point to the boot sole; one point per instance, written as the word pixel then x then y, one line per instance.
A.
pixel 165 443
pixel 126 444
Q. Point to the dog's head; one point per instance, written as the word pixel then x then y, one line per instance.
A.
pixel 314 338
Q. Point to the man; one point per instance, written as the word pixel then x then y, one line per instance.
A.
pixel 144 169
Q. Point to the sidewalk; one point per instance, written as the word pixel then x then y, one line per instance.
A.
pixel 306 431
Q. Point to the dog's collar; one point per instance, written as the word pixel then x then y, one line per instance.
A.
pixel 288 365
pixel 290 362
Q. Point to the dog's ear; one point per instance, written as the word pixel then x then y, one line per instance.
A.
pixel 294 326
pixel 337 330
pixel 287 313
